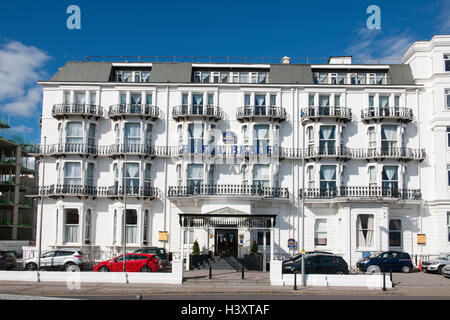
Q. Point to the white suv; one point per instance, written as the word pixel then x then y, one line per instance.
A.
pixel 66 259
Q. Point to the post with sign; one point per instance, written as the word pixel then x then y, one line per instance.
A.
pixel 421 241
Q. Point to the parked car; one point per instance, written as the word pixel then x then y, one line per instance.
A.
pixel 319 264
pixel 446 271
pixel 436 265
pixel 7 260
pixel 64 259
pixel 298 257
pixel 135 262
pixel 386 261
pixel 160 252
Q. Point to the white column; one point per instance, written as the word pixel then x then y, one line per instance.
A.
pixel 264 251
pixel 272 242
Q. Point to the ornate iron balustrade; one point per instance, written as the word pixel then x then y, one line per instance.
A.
pixel 311 113
pixel 143 110
pixel 362 192
pixel 227 190
pixel 92 191
pixel 379 113
pixel 225 221
pixel 261 112
pixel 66 109
pixel 389 153
pixel 194 111
pixel 59 149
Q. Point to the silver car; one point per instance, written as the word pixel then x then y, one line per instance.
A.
pixel 446 271
pixel 436 265
pixel 65 259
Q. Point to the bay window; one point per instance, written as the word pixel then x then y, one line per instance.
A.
pixel 195 137
pixel 91 137
pixel 132 136
pixel 130 176
pixel 372 140
pixel 72 174
pixel 388 138
pixel 74 135
pixel 390 179
pixel 311 177
pixel 372 177
pixel 194 178
pixel 327 140
pixel 90 175
pixel 261 176
pixel 261 138
pixel 147 176
pixel 328 179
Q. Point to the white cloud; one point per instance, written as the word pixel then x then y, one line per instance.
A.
pixel 444 20
pixel 375 44
pixel 21 129
pixel 21 67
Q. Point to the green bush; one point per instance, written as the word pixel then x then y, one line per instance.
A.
pixel 254 248
pixel 195 248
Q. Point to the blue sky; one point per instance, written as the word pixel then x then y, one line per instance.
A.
pixel 34 39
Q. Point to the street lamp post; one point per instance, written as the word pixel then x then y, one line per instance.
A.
pixel 42 205
pixel 303 208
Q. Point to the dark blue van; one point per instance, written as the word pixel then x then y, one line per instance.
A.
pixel 386 261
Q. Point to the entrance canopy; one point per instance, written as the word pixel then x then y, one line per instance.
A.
pixel 227 221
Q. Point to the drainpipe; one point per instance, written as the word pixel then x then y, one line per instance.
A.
pixel 420 171
pixel 165 166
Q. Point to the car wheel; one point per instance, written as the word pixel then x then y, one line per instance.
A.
pixel 103 269
pixel 71 267
pixel 440 269
pixel 406 269
pixel 146 269
pixel 31 266
pixel 339 272
pixel 373 269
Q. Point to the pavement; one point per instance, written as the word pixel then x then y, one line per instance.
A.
pixel 228 283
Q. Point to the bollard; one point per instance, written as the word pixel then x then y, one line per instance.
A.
pixel 295 280
pixel 384 281
pixel 391 279
pixel 242 277
pixel 210 272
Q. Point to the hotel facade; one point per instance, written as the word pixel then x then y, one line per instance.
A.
pixel 228 153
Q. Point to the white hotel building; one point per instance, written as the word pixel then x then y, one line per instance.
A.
pixel 213 151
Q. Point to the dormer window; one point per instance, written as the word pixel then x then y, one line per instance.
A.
pixel 132 76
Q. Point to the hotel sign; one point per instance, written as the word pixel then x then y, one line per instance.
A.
pixel 421 238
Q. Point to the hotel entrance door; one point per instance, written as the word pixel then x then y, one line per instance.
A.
pixel 226 243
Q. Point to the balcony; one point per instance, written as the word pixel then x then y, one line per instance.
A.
pixel 58 191
pixel 338 153
pixel 144 111
pixel 310 114
pixel 255 113
pixel 401 154
pixel 193 112
pixel 227 190
pixel 398 114
pixel 365 193
pixel 57 150
pixel 84 110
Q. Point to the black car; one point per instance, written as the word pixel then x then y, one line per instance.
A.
pixel 7 260
pixel 298 257
pixel 319 264
pixel 160 252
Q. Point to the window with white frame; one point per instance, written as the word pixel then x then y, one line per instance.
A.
pixel 448 176
pixel 320 233
pixel 87 227
pixel 188 236
pixel 260 239
pixel 327 139
pixel 132 135
pixel 74 134
pixel 396 101
pixel 328 178
pixel 372 176
pixel 388 138
pixel 197 103
pixel 145 229
pixel 147 176
pixel 130 174
pixel 149 135
pixel 132 76
pixel 195 131
pixel 311 177
pixel 244 170
pixel 245 134
pixel 447 98
pixel 448 225
pixel 448 137
pixel 72 174
pixel 67 97
pixel 123 98
pixel 194 178
pixel 71 222
pixel 179 175
pixel 311 100
pixel 390 177
pixel 80 97
pixel 261 177
pixel 261 138
pixel 90 174
pixel 447 62
pixel 310 138
pixel 93 98
pixel 260 104
pixel 383 101
pixel 365 231
pixel 211 174
pixel 131 226
pixel 372 138
pixel 395 233
pixel 148 98
pixel 91 136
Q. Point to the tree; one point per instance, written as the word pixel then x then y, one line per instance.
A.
pixel 254 248
pixel 195 248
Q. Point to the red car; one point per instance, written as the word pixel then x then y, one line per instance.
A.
pixel 136 262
